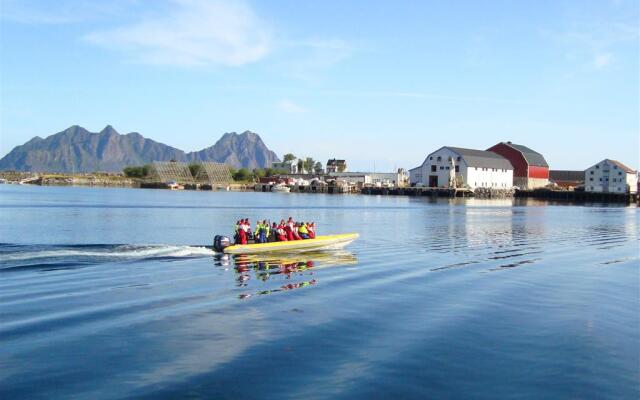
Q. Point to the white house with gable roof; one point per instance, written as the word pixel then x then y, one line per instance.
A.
pixel 459 167
pixel 610 176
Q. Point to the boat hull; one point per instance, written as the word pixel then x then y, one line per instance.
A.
pixel 319 243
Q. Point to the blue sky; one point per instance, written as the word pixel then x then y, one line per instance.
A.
pixel 369 81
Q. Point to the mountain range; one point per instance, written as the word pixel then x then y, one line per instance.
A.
pixel 77 150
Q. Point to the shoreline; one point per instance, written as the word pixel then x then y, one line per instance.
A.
pixel 111 180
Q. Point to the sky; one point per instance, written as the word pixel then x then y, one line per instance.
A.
pixel 378 83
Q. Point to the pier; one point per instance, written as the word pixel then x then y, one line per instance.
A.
pixel 326 188
pixel 578 196
pixel 418 191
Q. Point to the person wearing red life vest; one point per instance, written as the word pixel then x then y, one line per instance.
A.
pixel 242 233
pixel 312 230
pixel 281 233
pixel 289 229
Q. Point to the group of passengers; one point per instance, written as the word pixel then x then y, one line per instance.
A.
pixel 265 232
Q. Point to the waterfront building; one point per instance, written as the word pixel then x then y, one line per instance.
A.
pixel 610 176
pixel 334 165
pixel 290 166
pixel 398 178
pixel 566 179
pixel 530 169
pixel 450 167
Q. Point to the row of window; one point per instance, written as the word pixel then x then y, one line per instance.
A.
pixel 606 179
pixel 434 168
pixel 618 189
pixel 605 171
pixel 443 167
pixel 440 158
pixel 493 184
pixel 614 167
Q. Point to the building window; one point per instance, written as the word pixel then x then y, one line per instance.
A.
pixel 591 179
pixel 615 167
pixel 441 167
pixel 620 173
pixel 591 187
pixel 597 167
pixel 439 158
pixel 457 168
pixel 458 158
pixel 430 158
pixel 448 167
pixel 433 168
pixel 591 172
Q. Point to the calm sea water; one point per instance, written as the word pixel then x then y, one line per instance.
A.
pixel 109 293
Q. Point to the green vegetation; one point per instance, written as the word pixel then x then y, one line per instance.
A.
pixel 195 168
pixel 288 157
pixel 244 175
pixel 137 172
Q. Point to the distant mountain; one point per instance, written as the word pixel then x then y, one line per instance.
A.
pixel 77 150
pixel 244 150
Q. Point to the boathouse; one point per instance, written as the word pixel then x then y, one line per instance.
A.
pixel 456 167
pixel 530 169
pixel 610 176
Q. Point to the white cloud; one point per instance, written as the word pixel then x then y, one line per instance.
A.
pixel 595 44
pixel 309 59
pixel 290 107
pixel 192 33
pixel 62 12
pixel 602 60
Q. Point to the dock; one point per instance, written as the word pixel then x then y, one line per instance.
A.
pixel 418 191
pixel 578 196
pixel 326 188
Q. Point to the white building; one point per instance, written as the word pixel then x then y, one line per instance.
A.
pixel 334 165
pixel 457 167
pixel 610 176
pixel 290 166
pixel 398 178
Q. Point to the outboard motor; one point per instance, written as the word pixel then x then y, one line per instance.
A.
pixel 220 243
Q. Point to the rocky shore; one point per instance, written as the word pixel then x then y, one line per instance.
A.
pixel 95 179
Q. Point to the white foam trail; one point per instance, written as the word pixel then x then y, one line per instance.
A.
pixel 124 252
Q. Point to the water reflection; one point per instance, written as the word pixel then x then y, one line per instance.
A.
pixel 280 272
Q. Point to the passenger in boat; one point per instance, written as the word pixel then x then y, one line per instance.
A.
pixel 281 232
pixel 289 229
pixel 311 227
pixel 264 233
pixel 303 231
pixel 296 235
pixel 247 230
pixel 258 232
pixel 272 233
pixel 236 231
pixel 242 233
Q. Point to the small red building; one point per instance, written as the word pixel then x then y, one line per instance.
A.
pixel 530 169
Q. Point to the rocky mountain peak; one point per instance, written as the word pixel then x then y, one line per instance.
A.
pixel 77 150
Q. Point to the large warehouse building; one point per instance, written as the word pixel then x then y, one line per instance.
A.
pixel 457 167
pixel 530 169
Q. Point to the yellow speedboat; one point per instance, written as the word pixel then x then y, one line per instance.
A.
pixel 222 244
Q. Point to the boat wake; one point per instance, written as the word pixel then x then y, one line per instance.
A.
pixel 34 256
